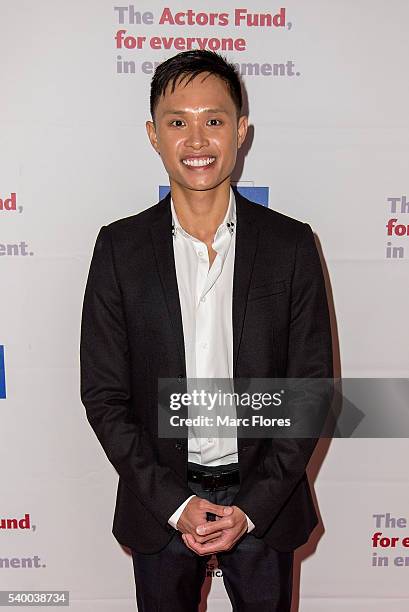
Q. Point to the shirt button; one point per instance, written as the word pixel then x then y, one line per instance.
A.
pixel 203 299
pixel 204 345
pixel 200 253
pixel 210 440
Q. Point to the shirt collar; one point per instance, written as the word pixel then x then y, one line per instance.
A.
pixel 227 225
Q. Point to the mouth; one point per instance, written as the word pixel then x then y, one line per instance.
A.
pixel 198 162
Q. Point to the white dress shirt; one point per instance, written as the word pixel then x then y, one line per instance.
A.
pixel 206 306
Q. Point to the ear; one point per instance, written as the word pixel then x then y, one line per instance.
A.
pixel 151 131
pixel 241 130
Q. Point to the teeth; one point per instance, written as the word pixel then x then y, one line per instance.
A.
pixel 198 162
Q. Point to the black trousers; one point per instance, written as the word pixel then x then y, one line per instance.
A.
pixel 257 578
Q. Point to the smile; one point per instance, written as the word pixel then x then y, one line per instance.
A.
pixel 198 161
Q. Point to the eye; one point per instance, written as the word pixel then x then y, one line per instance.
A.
pixel 176 122
pixel 216 121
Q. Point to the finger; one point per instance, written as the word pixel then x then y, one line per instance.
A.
pixel 213 526
pixel 197 546
pixel 205 538
pixel 190 542
pixel 217 508
pixel 202 539
pixel 208 538
pixel 221 544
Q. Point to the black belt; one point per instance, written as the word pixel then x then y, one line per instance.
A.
pixel 212 481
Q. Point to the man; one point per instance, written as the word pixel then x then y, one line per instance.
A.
pixel 204 284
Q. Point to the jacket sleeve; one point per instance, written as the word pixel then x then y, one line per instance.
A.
pixel 309 356
pixel 106 391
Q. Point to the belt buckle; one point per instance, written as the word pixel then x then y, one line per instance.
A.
pixel 209 482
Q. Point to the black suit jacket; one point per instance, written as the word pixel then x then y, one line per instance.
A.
pixel 131 334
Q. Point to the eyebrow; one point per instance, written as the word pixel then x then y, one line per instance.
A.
pixel 206 110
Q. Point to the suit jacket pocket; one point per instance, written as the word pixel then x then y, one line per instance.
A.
pixel 270 288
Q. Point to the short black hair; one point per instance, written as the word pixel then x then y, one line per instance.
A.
pixel 190 64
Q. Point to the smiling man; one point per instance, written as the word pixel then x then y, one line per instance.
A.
pixel 205 284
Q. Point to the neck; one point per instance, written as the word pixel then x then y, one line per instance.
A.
pixel 201 212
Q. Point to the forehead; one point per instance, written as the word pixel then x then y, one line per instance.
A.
pixel 204 90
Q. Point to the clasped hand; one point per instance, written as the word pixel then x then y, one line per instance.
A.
pixel 208 537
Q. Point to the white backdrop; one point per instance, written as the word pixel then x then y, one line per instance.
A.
pixel 331 143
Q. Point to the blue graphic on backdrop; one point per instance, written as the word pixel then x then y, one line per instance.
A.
pixel 2 374
pixel 259 195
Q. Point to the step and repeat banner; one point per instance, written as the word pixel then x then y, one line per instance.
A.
pixel 327 95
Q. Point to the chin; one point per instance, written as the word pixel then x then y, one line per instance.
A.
pixel 197 186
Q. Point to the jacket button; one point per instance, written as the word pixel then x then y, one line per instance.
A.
pixel 180 378
pixel 179 445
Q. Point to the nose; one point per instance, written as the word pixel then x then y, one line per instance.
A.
pixel 196 138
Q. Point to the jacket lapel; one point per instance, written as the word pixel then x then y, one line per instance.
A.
pixel 246 246
pixel 161 232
